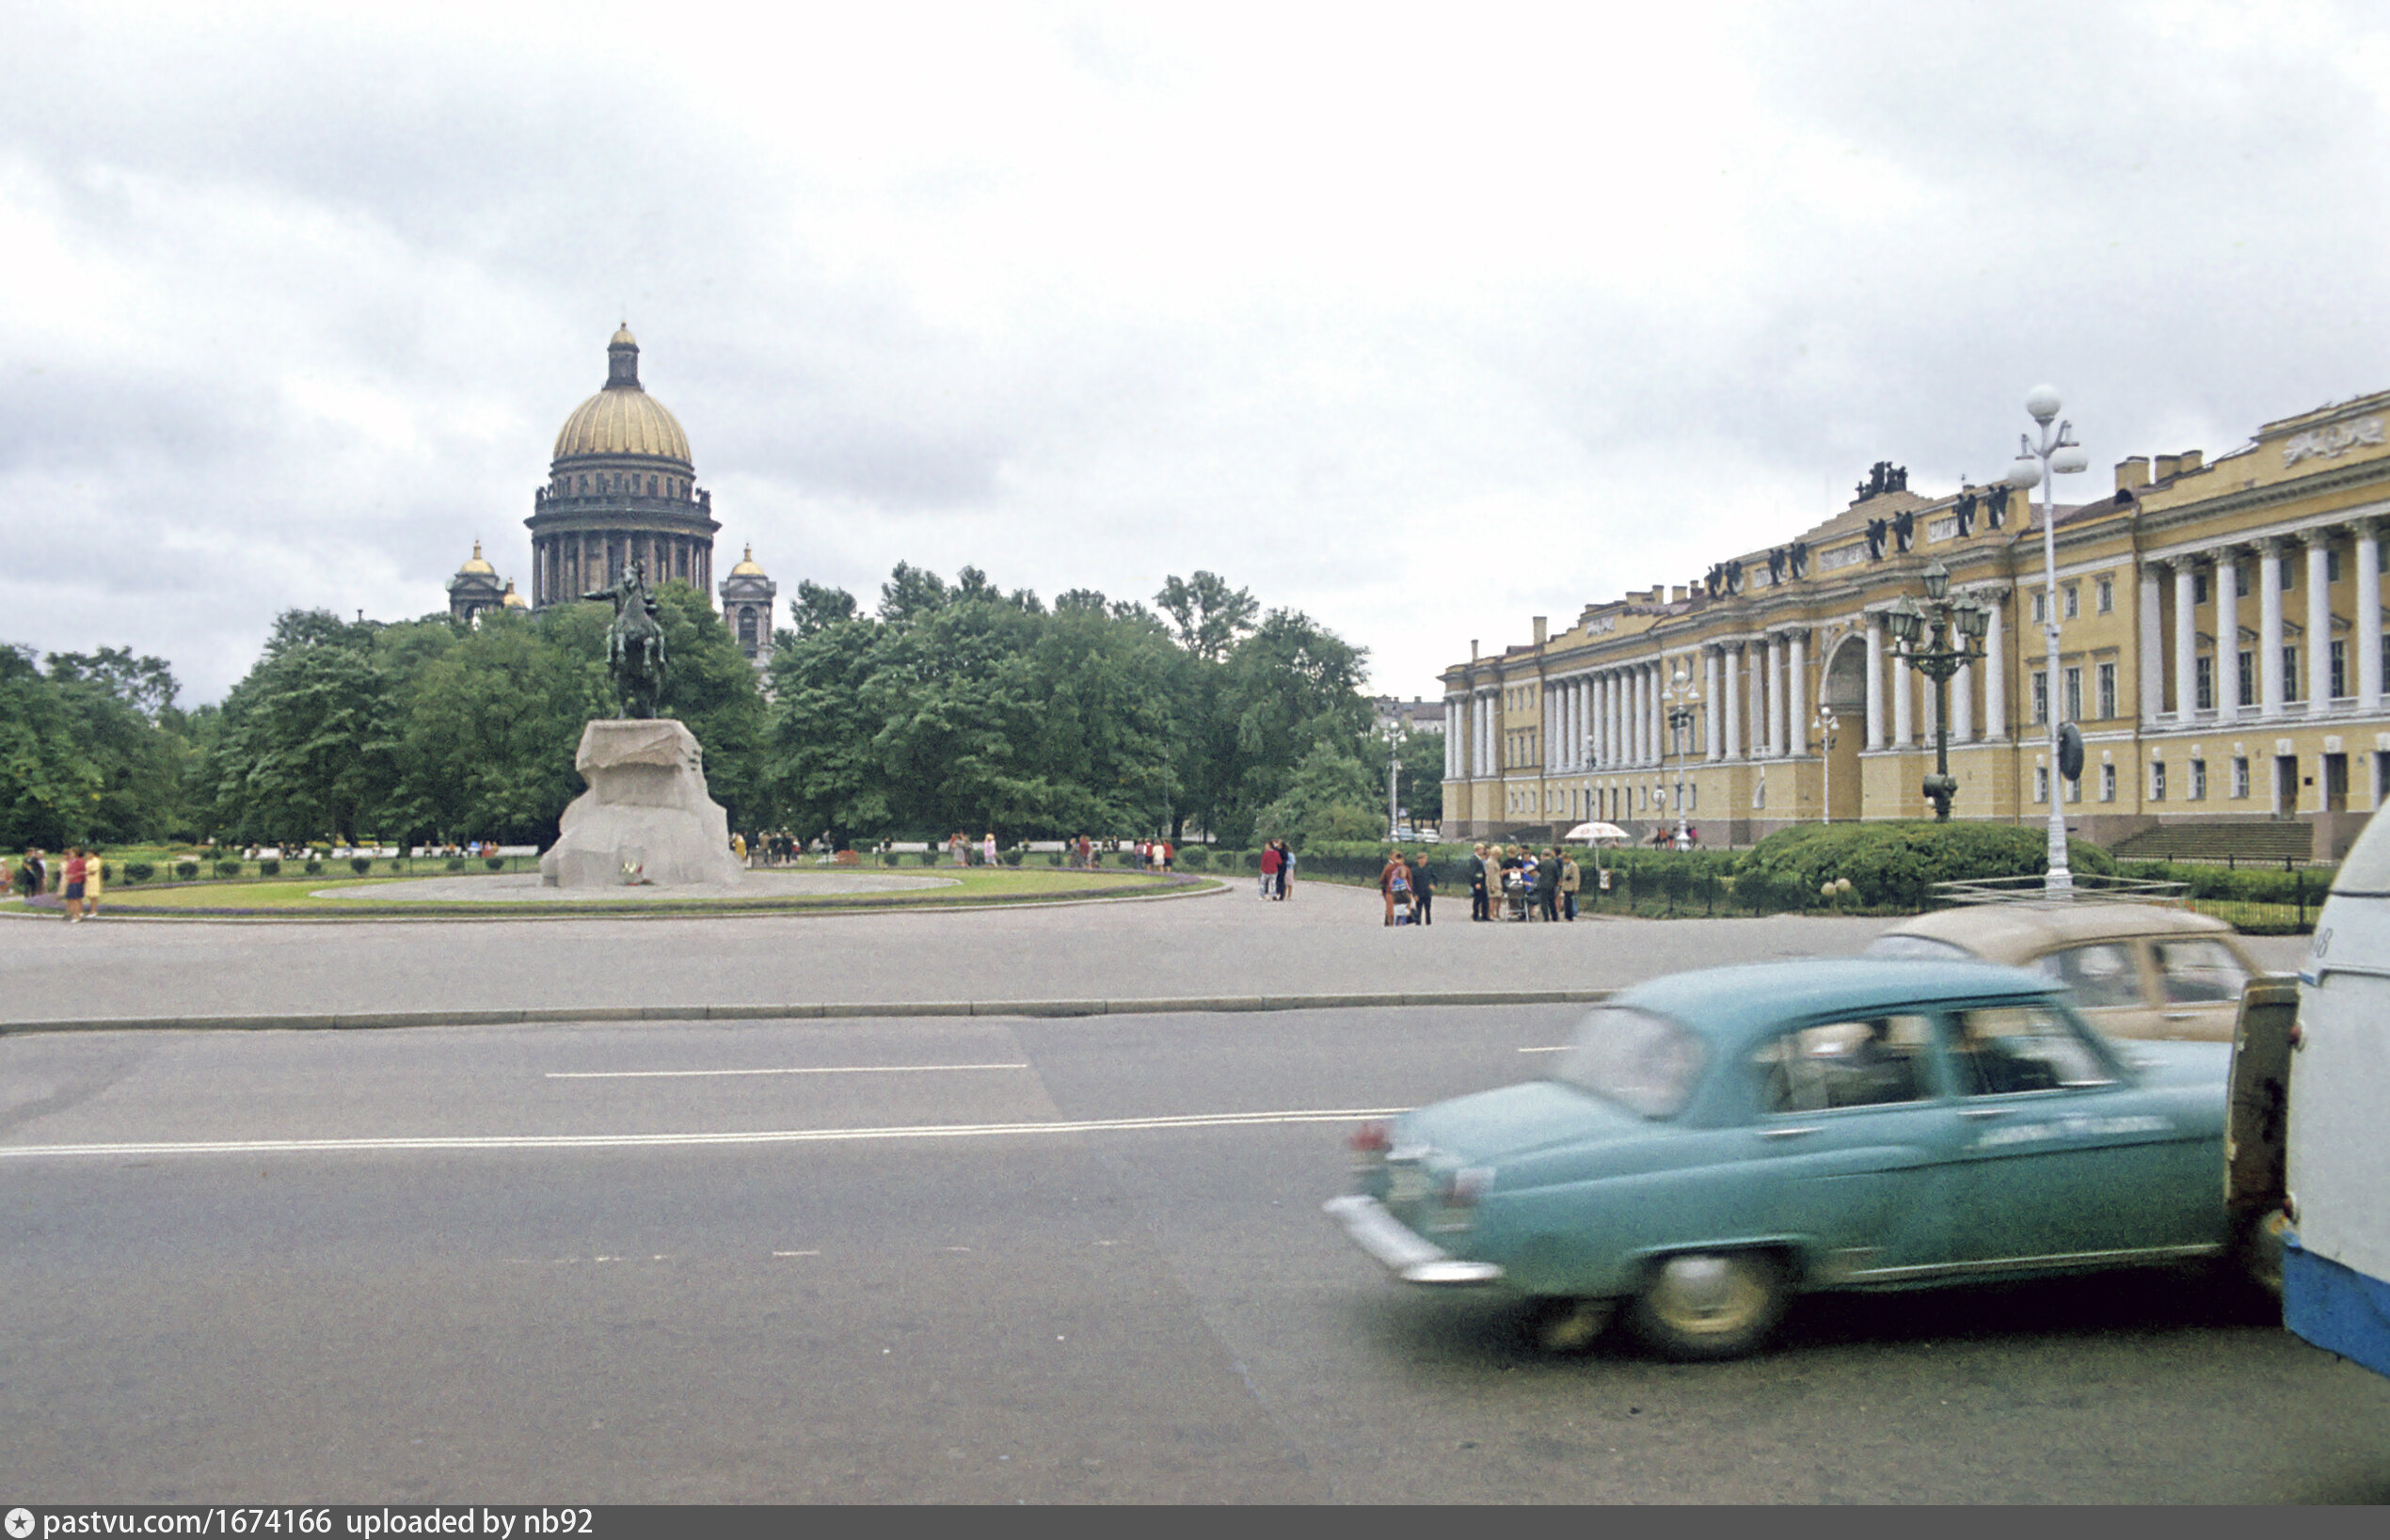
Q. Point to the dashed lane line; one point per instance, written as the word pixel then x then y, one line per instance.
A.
pixel 454 1143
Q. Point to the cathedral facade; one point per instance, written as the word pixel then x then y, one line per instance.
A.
pixel 621 488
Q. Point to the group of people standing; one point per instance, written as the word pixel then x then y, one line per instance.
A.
pixel 1409 883
pixel 1529 885
pixel 1278 869
pixel 79 880
pixel 963 853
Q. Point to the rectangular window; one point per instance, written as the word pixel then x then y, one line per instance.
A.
pixel 2290 576
pixel 2157 780
pixel 2199 588
pixel 2074 594
pixel 2107 595
pixel 2040 783
pixel 2041 606
pixel 2107 783
pixel 2291 673
pixel 2074 789
pixel 2199 780
pixel 2332 565
pixel 2041 695
pixel 2339 669
pixel 2240 777
pixel 2248 677
pixel 2107 690
pixel 2074 694
pixel 2206 667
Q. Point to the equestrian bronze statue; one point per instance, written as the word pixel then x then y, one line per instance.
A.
pixel 634 644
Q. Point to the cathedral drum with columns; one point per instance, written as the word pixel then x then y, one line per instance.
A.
pixel 2220 649
pixel 621 487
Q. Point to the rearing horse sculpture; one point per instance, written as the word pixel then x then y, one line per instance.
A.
pixel 634 644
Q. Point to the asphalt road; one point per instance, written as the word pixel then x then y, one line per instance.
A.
pixel 679 1262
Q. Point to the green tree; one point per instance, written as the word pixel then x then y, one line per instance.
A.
pixel 310 741
pixel 1209 615
pixel 48 789
pixel 1327 797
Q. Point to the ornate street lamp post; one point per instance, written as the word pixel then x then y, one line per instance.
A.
pixel 1939 639
pixel 1825 722
pixel 2036 464
pixel 1393 731
pixel 1681 695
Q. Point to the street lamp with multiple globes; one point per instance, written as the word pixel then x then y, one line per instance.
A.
pixel 1391 732
pixel 1680 696
pixel 1938 639
pixel 1825 722
pixel 2056 454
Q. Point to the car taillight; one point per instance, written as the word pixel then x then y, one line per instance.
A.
pixel 1370 1138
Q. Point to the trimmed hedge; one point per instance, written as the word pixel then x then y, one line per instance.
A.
pixel 269 867
pixel 227 868
pixel 138 871
pixel 2229 884
pixel 495 862
pixel 1895 864
pixel 1195 858
pixel 187 869
pixel 359 865
pixel 314 868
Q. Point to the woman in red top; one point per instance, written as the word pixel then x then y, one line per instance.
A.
pixel 1269 870
pixel 75 874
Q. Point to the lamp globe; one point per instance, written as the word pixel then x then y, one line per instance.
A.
pixel 2042 401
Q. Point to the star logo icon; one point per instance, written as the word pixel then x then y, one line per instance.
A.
pixel 19 1523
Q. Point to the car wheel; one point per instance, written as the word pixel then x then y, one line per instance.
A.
pixel 1710 1304
pixel 1570 1325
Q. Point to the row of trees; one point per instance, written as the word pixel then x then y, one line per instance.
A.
pixel 952 706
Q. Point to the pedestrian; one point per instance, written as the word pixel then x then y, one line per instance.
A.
pixel 1393 881
pixel 93 869
pixel 1572 879
pixel 1269 871
pixel 1480 906
pixel 1286 870
pixel 1423 890
pixel 74 891
pixel 987 849
pixel 33 874
pixel 1547 885
pixel 1168 854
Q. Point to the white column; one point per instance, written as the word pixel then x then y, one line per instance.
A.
pixel 1733 651
pixel 1779 740
pixel 1652 679
pixel 2318 626
pixel 1715 740
pixel 1755 725
pixel 2228 701
pixel 1551 698
pixel 1875 681
pixel 1449 736
pixel 2186 641
pixel 2269 631
pixel 1797 698
pixel 1996 672
pixel 2149 666
pixel 1580 720
pixel 1903 693
pixel 1610 720
pixel 2366 636
pixel 1963 704
pixel 1646 688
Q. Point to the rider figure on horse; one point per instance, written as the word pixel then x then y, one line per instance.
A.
pixel 635 643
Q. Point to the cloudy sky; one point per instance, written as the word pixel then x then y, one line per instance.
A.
pixel 1422 320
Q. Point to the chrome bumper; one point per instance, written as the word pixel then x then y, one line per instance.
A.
pixel 1406 1254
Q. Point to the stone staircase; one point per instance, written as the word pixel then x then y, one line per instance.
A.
pixel 2257 840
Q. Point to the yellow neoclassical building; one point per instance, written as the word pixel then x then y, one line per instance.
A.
pixel 2221 650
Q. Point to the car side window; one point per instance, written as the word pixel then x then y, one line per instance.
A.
pixel 1862 1063
pixel 2101 974
pixel 2199 973
pixel 2001 1050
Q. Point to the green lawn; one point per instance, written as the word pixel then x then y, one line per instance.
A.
pixel 299 898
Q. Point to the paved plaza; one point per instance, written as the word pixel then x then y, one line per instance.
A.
pixel 1326 941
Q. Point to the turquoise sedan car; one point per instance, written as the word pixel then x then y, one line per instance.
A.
pixel 1714 1143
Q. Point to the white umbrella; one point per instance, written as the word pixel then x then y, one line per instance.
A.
pixel 1586 833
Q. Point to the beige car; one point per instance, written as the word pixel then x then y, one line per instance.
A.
pixel 2136 969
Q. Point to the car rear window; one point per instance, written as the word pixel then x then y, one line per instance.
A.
pixel 1927 947
pixel 1646 1063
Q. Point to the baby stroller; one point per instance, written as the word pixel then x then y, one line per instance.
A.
pixel 1514 894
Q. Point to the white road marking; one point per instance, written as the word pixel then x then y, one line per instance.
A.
pixel 444 1143
pixel 843 1068
pixel 796 1253
pixel 1561 1049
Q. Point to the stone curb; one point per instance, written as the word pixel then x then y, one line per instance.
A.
pixel 533 1015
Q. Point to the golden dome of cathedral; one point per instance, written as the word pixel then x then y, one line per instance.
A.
pixel 623 419
pixel 746 567
pixel 477 565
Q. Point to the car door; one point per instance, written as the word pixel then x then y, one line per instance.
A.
pixel 2200 980
pixel 1854 1136
pixel 2109 982
pixel 2064 1155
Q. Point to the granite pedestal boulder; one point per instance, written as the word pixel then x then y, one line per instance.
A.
pixel 645 817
